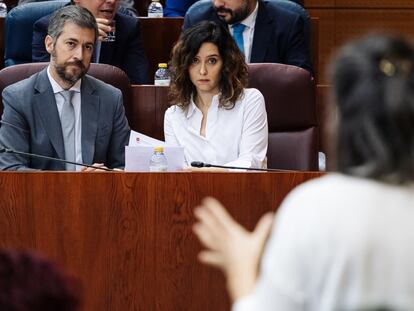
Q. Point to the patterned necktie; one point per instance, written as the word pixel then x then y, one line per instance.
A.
pixel 68 129
pixel 238 35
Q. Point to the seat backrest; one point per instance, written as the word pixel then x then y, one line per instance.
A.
pixel 19 29
pixel 107 73
pixel 289 93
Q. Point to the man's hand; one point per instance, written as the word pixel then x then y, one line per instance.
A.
pixel 93 169
pixel 103 28
pixel 229 246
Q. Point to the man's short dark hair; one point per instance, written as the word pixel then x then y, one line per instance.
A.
pixel 73 14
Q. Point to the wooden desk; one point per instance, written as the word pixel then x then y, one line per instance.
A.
pixel 128 236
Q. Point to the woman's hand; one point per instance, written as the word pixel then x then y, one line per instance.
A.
pixel 229 246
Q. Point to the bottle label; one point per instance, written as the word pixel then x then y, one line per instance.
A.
pixel 162 82
pixel 158 168
pixel 155 14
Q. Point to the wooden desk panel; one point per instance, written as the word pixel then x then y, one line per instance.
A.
pixel 128 236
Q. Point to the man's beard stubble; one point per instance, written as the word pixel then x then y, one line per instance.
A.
pixel 236 15
pixel 66 76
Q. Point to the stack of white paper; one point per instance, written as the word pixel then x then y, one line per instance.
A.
pixel 140 149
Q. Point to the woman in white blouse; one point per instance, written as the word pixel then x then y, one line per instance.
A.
pixel 343 241
pixel 213 116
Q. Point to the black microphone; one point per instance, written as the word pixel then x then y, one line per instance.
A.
pixel 202 164
pixel 33 155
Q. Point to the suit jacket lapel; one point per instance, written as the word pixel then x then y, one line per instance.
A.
pixel 45 103
pixel 89 111
pixel 262 34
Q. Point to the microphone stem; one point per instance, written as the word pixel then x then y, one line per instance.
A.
pixel 245 168
pixel 55 159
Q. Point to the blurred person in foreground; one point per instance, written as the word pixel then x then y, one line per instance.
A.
pixel 29 282
pixel 213 115
pixel 342 241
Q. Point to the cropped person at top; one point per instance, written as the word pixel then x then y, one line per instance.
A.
pixel 342 241
pixel 264 31
pixel 126 52
pixel 213 116
pixel 125 6
pixel 175 8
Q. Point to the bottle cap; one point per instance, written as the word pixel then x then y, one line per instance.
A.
pixel 162 65
pixel 159 149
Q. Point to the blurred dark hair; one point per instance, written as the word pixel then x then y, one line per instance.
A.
pixel 233 73
pixel 29 282
pixel 373 84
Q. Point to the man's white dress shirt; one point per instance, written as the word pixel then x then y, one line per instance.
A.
pixel 235 137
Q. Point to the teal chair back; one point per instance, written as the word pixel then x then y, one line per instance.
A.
pixel 19 30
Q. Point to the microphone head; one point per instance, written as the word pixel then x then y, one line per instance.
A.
pixel 197 164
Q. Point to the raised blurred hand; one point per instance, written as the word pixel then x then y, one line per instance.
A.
pixel 229 246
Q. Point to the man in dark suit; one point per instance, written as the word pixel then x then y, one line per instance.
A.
pixel 269 33
pixel 61 112
pixel 126 52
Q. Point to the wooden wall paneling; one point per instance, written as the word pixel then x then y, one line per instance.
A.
pixel 326 119
pixel 338 25
pixel 159 35
pixel 326 40
pixel 383 4
pixel 143 109
pixel 161 97
pixel 149 105
pixel 314 46
pixel 128 236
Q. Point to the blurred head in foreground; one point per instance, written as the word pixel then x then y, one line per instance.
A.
pixel 29 282
pixel 373 86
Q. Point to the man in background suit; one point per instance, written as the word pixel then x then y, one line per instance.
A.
pixel 271 34
pixel 88 126
pixel 125 5
pixel 175 8
pixel 126 52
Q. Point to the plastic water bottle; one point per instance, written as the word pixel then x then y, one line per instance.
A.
pixel 158 162
pixel 3 9
pixel 155 9
pixel 162 75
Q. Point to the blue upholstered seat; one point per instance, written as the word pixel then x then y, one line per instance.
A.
pixel 19 30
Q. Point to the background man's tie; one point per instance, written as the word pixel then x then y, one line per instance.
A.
pixel 68 129
pixel 238 35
